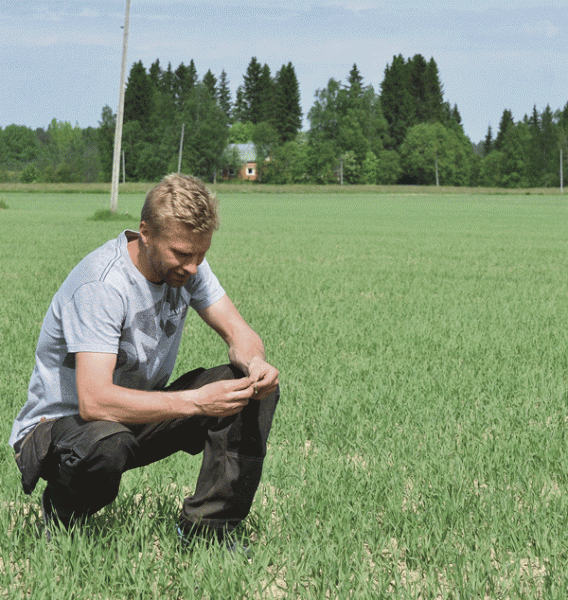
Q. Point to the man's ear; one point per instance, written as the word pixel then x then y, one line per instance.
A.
pixel 144 231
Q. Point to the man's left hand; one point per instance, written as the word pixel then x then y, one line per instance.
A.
pixel 264 377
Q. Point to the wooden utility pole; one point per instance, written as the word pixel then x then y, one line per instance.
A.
pixel 181 147
pixel 119 117
pixel 561 173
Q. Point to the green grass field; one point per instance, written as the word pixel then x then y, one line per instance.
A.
pixel 419 450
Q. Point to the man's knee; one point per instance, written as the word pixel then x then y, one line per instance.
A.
pixel 92 481
pixel 98 449
pixel 200 377
pixel 113 455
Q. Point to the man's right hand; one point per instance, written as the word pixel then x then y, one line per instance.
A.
pixel 222 398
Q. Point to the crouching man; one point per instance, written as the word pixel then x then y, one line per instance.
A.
pixel 99 402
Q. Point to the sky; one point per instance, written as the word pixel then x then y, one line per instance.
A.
pixel 61 58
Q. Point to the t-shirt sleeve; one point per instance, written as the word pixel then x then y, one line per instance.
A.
pixel 206 289
pixel 92 319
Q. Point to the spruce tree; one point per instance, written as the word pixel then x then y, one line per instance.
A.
pixel 288 112
pixel 185 77
pixel 138 96
pixel 536 164
pixel 396 101
pixel 563 118
pixel 434 96
pixel 210 82
pixel 225 96
pixel 240 109
pixel 417 87
pixel 355 81
pixel 549 145
pixel 192 72
pixel 251 93
pixel 155 73
pixel 167 82
pixel 488 143
pixel 451 117
pixel 505 123
pixel 265 97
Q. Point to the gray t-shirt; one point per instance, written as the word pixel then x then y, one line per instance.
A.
pixel 107 305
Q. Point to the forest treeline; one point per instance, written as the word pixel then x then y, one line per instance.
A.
pixel 405 132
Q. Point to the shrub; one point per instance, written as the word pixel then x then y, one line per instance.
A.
pixel 63 174
pixel 30 174
pixel 105 214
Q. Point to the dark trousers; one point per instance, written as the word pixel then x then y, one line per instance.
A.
pixel 86 460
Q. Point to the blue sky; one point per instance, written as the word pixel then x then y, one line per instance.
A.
pixel 61 58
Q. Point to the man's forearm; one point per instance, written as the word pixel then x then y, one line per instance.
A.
pixel 248 355
pixel 244 349
pixel 124 405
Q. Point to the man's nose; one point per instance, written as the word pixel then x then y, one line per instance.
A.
pixel 190 268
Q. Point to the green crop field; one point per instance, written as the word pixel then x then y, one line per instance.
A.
pixel 420 447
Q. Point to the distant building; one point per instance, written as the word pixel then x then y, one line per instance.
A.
pixel 247 156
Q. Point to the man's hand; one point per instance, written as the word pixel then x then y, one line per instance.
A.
pixel 264 377
pixel 246 350
pixel 223 398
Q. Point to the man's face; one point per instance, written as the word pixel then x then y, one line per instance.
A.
pixel 172 256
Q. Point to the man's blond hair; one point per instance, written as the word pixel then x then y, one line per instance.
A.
pixel 184 199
